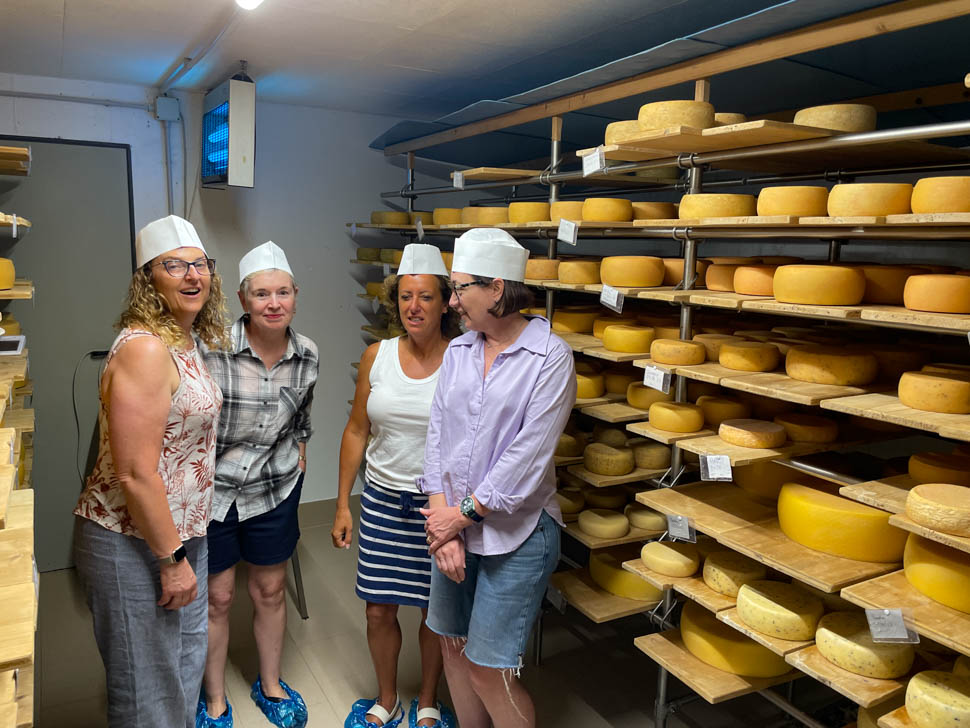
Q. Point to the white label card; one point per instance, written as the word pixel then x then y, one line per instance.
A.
pixel 657 378
pixel 888 625
pixel 556 599
pixel 568 232
pixel 458 180
pixel 611 298
pixel 420 226
pixel 716 467
pixel 353 230
pixel 594 162
pixel 679 527
pixel 376 304
pixel 387 269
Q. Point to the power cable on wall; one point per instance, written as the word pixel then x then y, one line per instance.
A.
pixel 93 354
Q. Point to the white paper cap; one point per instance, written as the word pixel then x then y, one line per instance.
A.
pixel 164 235
pixel 490 252
pixel 421 259
pixel 268 256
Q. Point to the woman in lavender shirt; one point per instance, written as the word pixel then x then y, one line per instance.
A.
pixel 505 390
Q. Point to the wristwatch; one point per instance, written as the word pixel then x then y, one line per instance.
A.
pixel 467 509
pixel 175 557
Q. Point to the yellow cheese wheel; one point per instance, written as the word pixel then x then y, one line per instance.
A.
pixel 674 271
pixel 542 269
pixel 839 117
pixel 600 324
pixel 618 131
pixel 628 339
pixel 870 199
pixel 718 409
pixel 607 209
pixel 755 280
pixel 720 277
pixel 579 271
pixel 391 255
pixel 962 666
pixel 726 571
pixel 798 200
pixel 603 523
pixel 808 428
pixel 941 506
pixel 617 382
pixel 602 459
pixel 725 648
pixel 606 570
pixel 426 218
pixel 822 285
pixel 893 361
pixel 632 271
pixel 724 118
pixel 569 446
pixel 523 212
pixel 605 498
pixel 447 257
pixel 492 215
pixel 940 572
pixel 645 518
pixel 589 386
pixel 588 366
pixel 941 293
pixel 838 526
pixel 665 114
pixel 612 436
pixel 469 215
pixel 573 322
pixel 931 392
pixel 696 390
pixel 885 283
pixel 567 209
pixel 641 396
pixel 830 365
pixel 785 345
pixel 762 479
pixel 941 194
pixel 670 558
pixel 677 351
pixel 749 356
pixel 713 343
pixel 752 433
pixel 676 417
pixel 373 288
pixel 651 455
pixel 571 500
pixel 843 638
pixel 765 408
pixel 958 370
pixel 373 254
pixel 716 205
pixel 937 699
pixel 654 210
pixel 666 332
pixel 446 216
pixel 389 217
pixel 779 610
pixel 938 467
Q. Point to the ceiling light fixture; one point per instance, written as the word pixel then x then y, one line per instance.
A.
pixel 249 4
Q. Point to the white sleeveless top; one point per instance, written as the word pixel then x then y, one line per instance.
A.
pixel 399 408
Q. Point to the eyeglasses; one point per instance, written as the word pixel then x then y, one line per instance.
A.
pixel 179 268
pixel 457 288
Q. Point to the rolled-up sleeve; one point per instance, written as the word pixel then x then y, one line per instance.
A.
pixel 429 482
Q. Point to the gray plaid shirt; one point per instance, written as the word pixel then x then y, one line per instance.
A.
pixel 264 415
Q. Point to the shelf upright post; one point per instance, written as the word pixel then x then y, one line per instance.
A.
pixel 555 157
pixel 410 186
pixel 835 250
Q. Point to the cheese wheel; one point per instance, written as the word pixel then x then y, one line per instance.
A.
pixel 641 396
pixel 726 571
pixel 654 210
pixel 446 216
pixel 830 365
pixel 779 610
pixel 600 324
pixel 568 209
pixel 665 114
pixel 602 459
pixel 940 293
pixel 628 339
pixel 542 269
pixel 469 215
pixel 617 382
pixel 605 498
pixel 492 215
pixel 426 218
pixel 820 285
pixel 569 446
pixel 937 699
pixel 885 283
pixel 713 342
pixel 651 455
pixel 389 217
pixel 752 433
pixel 724 118
pixel 765 408
pixel 755 280
pixel 671 558
pixel 835 525
pixel 618 131
pixel 372 254
pixel 762 479
pixel 373 288
pixel 632 271
pixel 938 467
pixel 696 390
pixel 932 392
pixel 603 523
pixel 716 205
pixel 808 428
pixel 579 271
pixel 720 277
pixel 571 500
pixel 962 666
pixel 941 194
pixel 676 417
pixel 941 506
pixel 674 270
pixel 677 351
pixel 717 409
pixel 666 332
pixel 573 322
pixel 958 370
pixel 645 518
pixel 607 209
pixel 606 570
pixel 870 199
pixel 725 648
pixel 612 436
pixel 780 259
pixel 798 200
pixel 589 386
pixel 391 255
pixel 940 572
pixel 838 117
pixel 524 212
pixel 843 638
pixel 588 366
pixel 749 356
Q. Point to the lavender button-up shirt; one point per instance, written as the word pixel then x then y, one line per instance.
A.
pixel 495 437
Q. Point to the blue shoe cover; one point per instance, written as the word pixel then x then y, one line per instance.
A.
pixel 447 720
pixel 358 715
pixel 204 720
pixel 290 712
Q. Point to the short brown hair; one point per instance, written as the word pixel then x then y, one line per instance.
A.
pixel 516 296
pixel 449 320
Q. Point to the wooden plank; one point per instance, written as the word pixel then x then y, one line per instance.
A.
pixel 7 478
pixel 779 385
pixel 561 461
pixel 710 372
pixel 667 649
pixel 636 535
pixel 748 221
pixel 901 520
pixel 653 578
pixel 722 299
pixel 22 420
pixel 496 174
pixel 887 494
pixel 713 508
pixel 936 218
pixel 845 220
pixel 20 510
pixel 604 481
pixel 667 438
pixel 886 407
pixel 799 309
pixel 778 646
pixel 22 290
pixel 626 291
pixel 584 402
pixel 864 691
pixel 8 686
pixel 17 624
pixel 580 342
pixel 668 294
pixel 8 715
pixel 579 590
pixel 20 154
pixel 903 317
pixel 16 556
pixel 693 587
pixel 898 718
pixel 714 445
pixel 615 412
pixel 601 352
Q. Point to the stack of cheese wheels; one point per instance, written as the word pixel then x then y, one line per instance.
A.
pixel 838 117
pixel 607 209
pixel 886 283
pixel 373 288
pixel 677 352
pixel 601 322
pixel 752 433
pixel 566 210
pixel 727 571
pixel 808 428
pixel 426 218
pixel 571 500
pixel 665 114
pixel 602 459
pixel 574 320
pixel 628 339
pixel 542 269
pixel 717 409
pixel 605 498
pixel 762 479
pixel 940 506
pixel 940 572
pixel 389 217
pixel 606 570
pixel 371 254
pixel 935 699
pixel 831 365
pixel 938 467
pixel 589 386
pixel 819 285
pixel 702 205
pixel 755 280
pixel 938 293
pixel 391 255
pixel 838 526
pixel 844 639
pixel 603 523
pixel 446 216
pixel 941 194
pixel 674 270
pixel 617 381
pixel 641 396
pixel 713 343
pixel 870 199
pixel 579 271
pixel 525 212
pixel 799 201
pixel 779 610
pixel 618 132
pixel 671 558
pixel 948 393
pixel 725 648
pixel 654 211
pixel 645 518
pixel 632 271
pixel 726 118
pixel 676 417
pixel 749 356
pixel 651 455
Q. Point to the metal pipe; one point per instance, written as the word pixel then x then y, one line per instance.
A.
pixel 804 718
pixel 835 250
pixel 76 100
pixel 555 158
pixel 660 705
pixel 410 186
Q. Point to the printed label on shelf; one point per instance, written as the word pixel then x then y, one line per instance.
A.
pixel 679 527
pixel 353 230
pixel 556 599
pixel 594 162
pixel 458 180
pixel 387 269
pixel 716 467
pixel 889 625
pixel 420 227
pixel 568 231
pixel 611 298
pixel 657 378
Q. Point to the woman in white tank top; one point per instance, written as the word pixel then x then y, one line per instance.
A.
pixel 389 420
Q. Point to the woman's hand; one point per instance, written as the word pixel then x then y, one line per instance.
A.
pixel 179 586
pixel 450 559
pixel 342 533
pixel 442 525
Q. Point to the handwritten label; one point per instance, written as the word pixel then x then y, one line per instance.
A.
pixel 680 528
pixel 458 180
pixel 716 467
pixel 594 162
pixel 568 232
pixel 888 625
pixel 657 378
pixel 611 298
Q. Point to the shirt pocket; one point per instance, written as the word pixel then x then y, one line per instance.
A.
pixel 291 399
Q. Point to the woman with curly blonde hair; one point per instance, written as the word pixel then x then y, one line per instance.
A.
pixel 139 542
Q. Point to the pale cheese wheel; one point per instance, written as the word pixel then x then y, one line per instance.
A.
pixel 606 570
pixel 628 339
pixel 373 288
pixel 446 216
pixel 603 523
pixel 749 356
pixel 838 526
pixel 605 498
pixel 566 210
pixel 939 293
pixel 830 365
pixel 372 254
pixel 762 479
pixel 651 455
pixel 618 131
pixel 941 506
pixel 941 194
pixel 571 500
pixel 713 342
pixel 426 218
pixel 962 666
pixel 940 572
pixel 391 255
pixel 654 210
pixel 808 428
pixel 589 386
pixel 676 417
pixel 493 215
pixel 937 699
pixel 607 209
pixel 665 114
pixel 579 271
pixel 844 639
pixel 389 217
pixel 612 436
pixel 779 610
pixel 569 446
pixel 671 558
pixel 677 351
pixel 725 648
pixel 717 409
pixel 725 118
pixel 821 285
pixel 726 571
pixel 641 396
pixel 602 459
pixel 838 117
pixel 720 277
pixel 930 392
pixel 573 322
pixel 693 206
pixel 870 199
pixel 600 324
pixel 755 280
pixel 752 433
pixel 674 270
pixel 632 271
pixel 645 518
pixel 798 200
pixel 938 467
pixel 885 283
pixel 542 269
pixel 617 382
pixel 525 212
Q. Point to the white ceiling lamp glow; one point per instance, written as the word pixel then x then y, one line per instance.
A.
pixel 249 4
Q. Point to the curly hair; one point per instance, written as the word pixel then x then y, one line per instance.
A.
pixel 146 309
pixel 449 321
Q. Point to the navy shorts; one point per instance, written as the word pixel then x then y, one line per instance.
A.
pixel 267 539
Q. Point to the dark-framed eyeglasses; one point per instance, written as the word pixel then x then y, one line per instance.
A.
pixel 179 268
pixel 457 288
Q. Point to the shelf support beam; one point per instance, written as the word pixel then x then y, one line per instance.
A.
pixel 555 158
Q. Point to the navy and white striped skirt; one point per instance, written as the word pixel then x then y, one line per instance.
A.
pixel 393 565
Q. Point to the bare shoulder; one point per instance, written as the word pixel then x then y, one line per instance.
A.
pixel 146 357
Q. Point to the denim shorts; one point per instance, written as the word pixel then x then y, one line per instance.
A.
pixel 497 603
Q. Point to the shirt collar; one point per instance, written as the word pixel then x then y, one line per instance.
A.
pixel 240 342
pixel 534 337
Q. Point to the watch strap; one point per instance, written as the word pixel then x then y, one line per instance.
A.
pixel 175 557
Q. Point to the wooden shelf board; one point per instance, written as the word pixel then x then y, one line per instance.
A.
pixel 20 510
pixel 8 686
pixel 579 590
pixel 800 309
pixel 8 715
pixel 580 342
pixel 714 445
pixel 667 438
pixel 560 286
pixel 887 494
pixel 22 290
pixel 615 412
pixel 748 221
pixel 723 299
pixel 15 154
pixel 7 478
pixel 21 419
pixel 17 622
pixel 668 294
pixel 497 174
pixel 594 401
pixel 564 460
pixel 693 587
pixel 898 718
pixel 626 291
pixel 601 352
pixel 779 385
pixel 710 372
pixel 936 218
pixel 864 691
pixel 604 481
pixel 778 646
pixel 636 535
pixel 887 408
pixel 713 508
pixel 378 263
pixel 918 319
pixel 715 686
pixel 845 220
pixel 16 556
pixel 653 578
pixel 901 520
